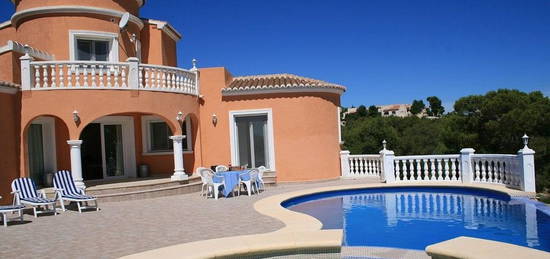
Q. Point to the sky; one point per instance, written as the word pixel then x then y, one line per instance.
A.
pixel 383 51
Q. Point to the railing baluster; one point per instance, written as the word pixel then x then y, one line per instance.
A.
pixel 69 76
pixel 54 76
pixel 483 171
pixel 61 78
pixel 85 73
pixel 37 77
pixel 123 77
pixel 77 75
pixel 45 76
pixel 446 168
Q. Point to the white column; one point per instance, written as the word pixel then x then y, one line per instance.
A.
pixel 466 170
pixel 26 75
pixel 76 163
pixel 388 172
pixel 179 171
pixel 133 73
pixel 344 163
pixel 526 159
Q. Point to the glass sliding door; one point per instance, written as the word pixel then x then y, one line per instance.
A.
pixel 251 134
pixel 113 151
pixel 36 154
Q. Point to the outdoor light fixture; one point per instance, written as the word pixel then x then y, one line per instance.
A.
pixel 76 118
pixel 384 144
pixel 179 117
pixel 214 119
pixel 525 139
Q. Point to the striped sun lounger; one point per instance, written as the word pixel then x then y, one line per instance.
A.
pixel 66 190
pixel 25 193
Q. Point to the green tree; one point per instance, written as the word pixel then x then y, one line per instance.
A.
pixel 436 109
pixel 362 111
pixel 373 111
pixel 417 107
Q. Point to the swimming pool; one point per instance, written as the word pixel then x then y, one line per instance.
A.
pixel 415 217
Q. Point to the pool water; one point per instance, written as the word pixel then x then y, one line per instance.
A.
pixel 415 217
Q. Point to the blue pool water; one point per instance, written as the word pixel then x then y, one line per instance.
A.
pixel 415 217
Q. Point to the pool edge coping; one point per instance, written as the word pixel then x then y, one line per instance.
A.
pixel 300 232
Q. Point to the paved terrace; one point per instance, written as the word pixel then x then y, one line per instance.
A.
pixel 128 227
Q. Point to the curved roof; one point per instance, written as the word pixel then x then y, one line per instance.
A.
pixel 272 83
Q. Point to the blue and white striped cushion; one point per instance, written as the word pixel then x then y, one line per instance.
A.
pixel 78 197
pixel 64 180
pixel 26 188
pixel 37 200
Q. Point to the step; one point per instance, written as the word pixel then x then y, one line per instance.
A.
pixel 151 193
pixel 127 187
pixel 136 189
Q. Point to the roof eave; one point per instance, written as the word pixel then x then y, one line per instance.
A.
pixel 273 90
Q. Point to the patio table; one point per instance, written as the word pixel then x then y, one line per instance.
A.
pixel 231 179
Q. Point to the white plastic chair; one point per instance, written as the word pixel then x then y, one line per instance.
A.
pixel 250 183
pixel 260 180
pixel 208 175
pixel 222 168
pixel 203 180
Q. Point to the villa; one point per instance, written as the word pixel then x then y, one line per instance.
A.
pixel 92 98
pixel 91 87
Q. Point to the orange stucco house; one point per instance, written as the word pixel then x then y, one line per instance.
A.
pixel 91 87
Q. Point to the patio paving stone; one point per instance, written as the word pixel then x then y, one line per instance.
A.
pixel 128 227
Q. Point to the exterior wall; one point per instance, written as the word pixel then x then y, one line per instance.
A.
pixel 304 127
pixel 107 102
pixel 10 72
pixel 130 6
pixel 38 33
pixel 6 33
pixel 9 150
pixel 157 47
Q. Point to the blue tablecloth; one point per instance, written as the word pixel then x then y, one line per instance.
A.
pixel 230 179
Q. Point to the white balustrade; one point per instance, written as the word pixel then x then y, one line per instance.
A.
pixel 364 165
pixel 496 168
pixel 51 75
pixel 167 79
pixel 427 168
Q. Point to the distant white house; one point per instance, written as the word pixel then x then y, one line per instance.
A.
pixel 398 110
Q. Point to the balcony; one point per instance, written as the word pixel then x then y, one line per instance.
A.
pixel 92 75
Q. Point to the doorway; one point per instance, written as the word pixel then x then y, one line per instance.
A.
pixel 41 150
pixel 252 138
pixel 108 148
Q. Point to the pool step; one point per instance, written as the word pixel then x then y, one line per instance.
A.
pixel 358 252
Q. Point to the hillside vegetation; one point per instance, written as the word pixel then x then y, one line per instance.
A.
pixel 492 123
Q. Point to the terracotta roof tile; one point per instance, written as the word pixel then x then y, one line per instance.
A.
pixel 278 82
pixel 9 84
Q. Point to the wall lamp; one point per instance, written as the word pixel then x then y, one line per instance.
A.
pixel 76 117
pixel 214 119
pixel 179 117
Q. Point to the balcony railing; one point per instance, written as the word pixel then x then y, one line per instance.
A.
pixel 514 171
pixel 130 75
